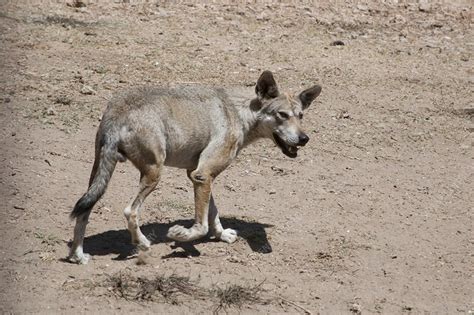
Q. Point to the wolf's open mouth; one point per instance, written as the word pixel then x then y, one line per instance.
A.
pixel 289 150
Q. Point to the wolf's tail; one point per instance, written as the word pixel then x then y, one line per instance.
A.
pixel 106 158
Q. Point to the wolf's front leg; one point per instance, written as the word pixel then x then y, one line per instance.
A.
pixel 202 193
pixel 225 235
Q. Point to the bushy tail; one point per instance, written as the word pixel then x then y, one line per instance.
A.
pixel 105 160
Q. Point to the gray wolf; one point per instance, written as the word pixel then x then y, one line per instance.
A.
pixel 200 129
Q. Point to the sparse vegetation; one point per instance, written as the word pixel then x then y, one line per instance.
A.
pixel 165 288
pixel 170 288
pixel 47 239
pixel 235 295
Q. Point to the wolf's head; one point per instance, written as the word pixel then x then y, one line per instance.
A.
pixel 280 114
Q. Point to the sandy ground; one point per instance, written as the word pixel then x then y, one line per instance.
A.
pixel 374 216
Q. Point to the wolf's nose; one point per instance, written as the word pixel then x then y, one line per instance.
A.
pixel 303 139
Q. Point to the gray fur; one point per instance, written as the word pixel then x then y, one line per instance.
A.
pixel 200 129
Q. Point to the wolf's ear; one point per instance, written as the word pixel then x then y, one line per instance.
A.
pixel 308 95
pixel 266 86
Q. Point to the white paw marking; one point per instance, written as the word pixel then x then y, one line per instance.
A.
pixel 179 233
pixel 229 236
pixel 81 259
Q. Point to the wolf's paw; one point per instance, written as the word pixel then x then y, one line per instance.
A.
pixel 181 234
pixel 81 259
pixel 229 236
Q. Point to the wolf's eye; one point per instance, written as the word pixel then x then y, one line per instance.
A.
pixel 283 115
pixel 300 116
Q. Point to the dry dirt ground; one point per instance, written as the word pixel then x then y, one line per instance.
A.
pixel 374 216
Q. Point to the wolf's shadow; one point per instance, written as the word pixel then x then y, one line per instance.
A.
pixel 118 241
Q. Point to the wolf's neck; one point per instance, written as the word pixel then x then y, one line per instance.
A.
pixel 244 100
pixel 250 123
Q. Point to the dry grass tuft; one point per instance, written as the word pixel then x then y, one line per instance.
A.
pixel 235 295
pixel 161 287
pixel 169 289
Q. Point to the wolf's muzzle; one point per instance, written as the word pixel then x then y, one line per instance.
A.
pixel 302 139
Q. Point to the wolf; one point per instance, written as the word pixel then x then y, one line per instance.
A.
pixel 196 128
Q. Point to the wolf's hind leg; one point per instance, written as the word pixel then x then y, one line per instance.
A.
pixel 77 254
pixel 102 170
pixel 149 177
